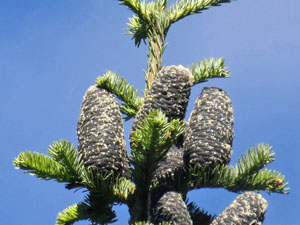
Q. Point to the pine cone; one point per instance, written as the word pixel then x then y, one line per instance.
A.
pixel 169 93
pixel 170 207
pixel 100 133
pixel 166 168
pixel 209 134
pixel 247 208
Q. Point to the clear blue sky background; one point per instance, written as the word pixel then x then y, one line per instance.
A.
pixel 52 51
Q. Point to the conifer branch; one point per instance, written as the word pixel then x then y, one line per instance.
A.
pixel 150 142
pixel 199 216
pixel 42 166
pixel 184 8
pixel 138 7
pixel 155 34
pixel 246 175
pixel 72 214
pixel 65 153
pixel 99 210
pixel 152 139
pixel 151 23
pixel 255 159
pixel 227 177
pixel 123 190
pixel 94 208
pixel 138 29
pixel 111 188
pixel 209 68
pixel 152 19
pixel 67 166
pixel 131 102
pixel 266 180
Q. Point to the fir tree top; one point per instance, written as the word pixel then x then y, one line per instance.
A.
pixel 197 151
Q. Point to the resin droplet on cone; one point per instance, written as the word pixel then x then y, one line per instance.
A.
pixel 169 93
pixel 100 133
pixel 247 208
pixel 209 134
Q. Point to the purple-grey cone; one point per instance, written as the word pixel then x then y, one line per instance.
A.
pixel 171 208
pixel 209 132
pixel 248 208
pixel 169 93
pixel 100 133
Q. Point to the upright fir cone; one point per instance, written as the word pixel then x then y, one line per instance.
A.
pixel 169 93
pixel 100 133
pixel 209 133
pixel 166 168
pixel 169 207
pixel 247 208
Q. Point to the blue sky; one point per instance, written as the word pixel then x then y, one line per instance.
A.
pixel 52 51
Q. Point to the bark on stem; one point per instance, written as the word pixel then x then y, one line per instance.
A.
pixel 156 48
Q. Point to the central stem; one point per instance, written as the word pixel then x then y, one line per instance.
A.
pixel 156 49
